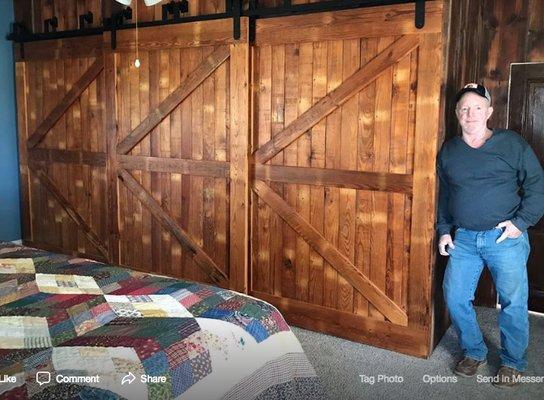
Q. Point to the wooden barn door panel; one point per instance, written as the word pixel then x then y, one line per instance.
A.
pixel 341 172
pixel 63 152
pixel 334 238
pixel 177 151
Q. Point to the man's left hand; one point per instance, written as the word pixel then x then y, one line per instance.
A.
pixel 510 231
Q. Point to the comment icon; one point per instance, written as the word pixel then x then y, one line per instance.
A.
pixel 43 377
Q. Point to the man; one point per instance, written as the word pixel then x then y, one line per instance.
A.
pixel 491 191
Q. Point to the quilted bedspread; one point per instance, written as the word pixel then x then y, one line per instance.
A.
pixel 72 328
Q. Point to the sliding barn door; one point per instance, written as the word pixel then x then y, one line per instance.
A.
pixel 181 151
pixel 345 136
pixel 145 167
pixel 62 146
pixel 300 168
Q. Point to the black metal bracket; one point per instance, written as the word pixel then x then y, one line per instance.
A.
pixel 174 8
pixel 234 9
pixel 85 19
pixel 236 14
pixel 20 31
pixel 52 23
pixel 420 14
pixel 115 22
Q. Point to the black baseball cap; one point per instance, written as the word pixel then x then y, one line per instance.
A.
pixel 474 88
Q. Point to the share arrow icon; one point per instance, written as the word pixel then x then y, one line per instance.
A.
pixel 128 378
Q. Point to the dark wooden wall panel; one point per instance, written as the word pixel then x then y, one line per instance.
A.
pixel 489 36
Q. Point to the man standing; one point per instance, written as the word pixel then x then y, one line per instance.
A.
pixel 491 191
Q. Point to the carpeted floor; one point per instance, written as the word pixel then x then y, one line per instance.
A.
pixel 340 363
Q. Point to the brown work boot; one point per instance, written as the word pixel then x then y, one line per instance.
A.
pixel 468 366
pixel 507 377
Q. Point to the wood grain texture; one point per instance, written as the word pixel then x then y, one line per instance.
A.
pixel 109 123
pixel 210 168
pixel 424 199
pixel 353 327
pixel 346 25
pixel 21 81
pixel 76 91
pixel 360 79
pixel 195 34
pixel 97 159
pixel 277 124
pixel 342 178
pixel 199 256
pixel 71 211
pixel 239 165
pixel 174 99
pixel 328 251
pixel 60 49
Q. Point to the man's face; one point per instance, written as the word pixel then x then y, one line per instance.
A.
pixel 473 111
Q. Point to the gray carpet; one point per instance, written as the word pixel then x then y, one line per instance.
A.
pixel 339 363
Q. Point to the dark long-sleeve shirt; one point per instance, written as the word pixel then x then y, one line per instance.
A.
pixel 479 188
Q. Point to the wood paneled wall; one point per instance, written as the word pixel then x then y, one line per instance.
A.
pixel 299 169
pixel 489 36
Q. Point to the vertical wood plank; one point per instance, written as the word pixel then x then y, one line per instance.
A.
pixel 155 143
pixel 145 150
pixel 175 152
pixel 128 220
pixel 239 169
pixel 291 267
pixel 277 124
pixel 196 215
pixel 165 135
pixel 136 117
pixel 396 201
pixel 37 17
pixel 365 162
pixel 348 161
pixel 382 142
pixel 48 104
pixel 97 175
pixel 221 199
pixel 111 96
pixel 22 83
pixel 424 183
pixel 85 145
pixel 317 160
pixel 186 152
pixel 208 153
pixel 62 143
pixel 332 160
pixel 305 70
pixel 261 269
pixel 35 189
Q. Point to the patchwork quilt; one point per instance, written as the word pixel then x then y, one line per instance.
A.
pixel 72 328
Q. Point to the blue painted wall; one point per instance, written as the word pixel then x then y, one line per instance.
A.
pixel 10 225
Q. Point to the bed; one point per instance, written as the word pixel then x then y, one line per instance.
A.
pixel 76 328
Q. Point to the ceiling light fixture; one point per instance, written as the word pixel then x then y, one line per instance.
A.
pixel 147 2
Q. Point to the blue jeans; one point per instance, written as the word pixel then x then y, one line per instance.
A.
pixel 507 263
